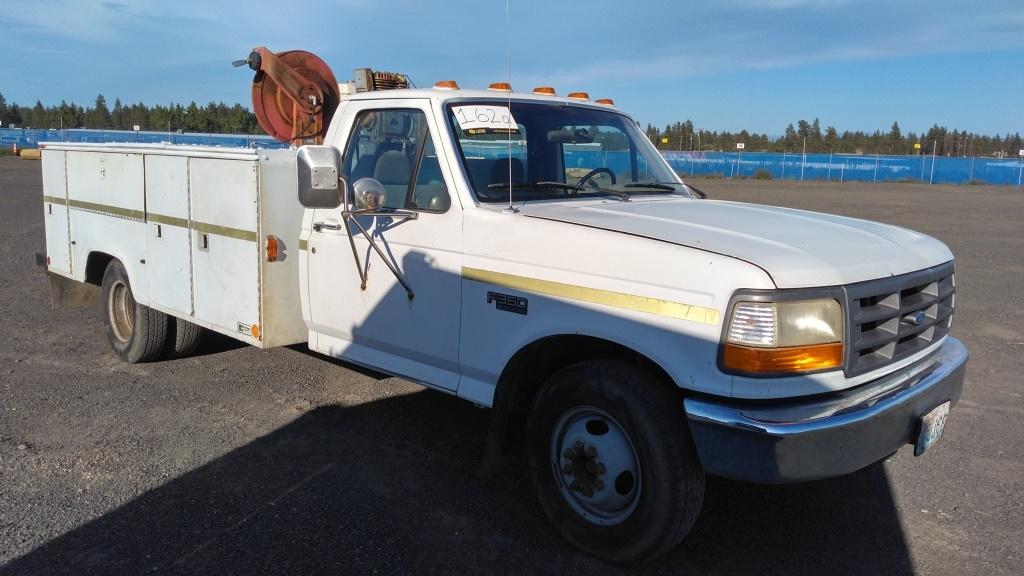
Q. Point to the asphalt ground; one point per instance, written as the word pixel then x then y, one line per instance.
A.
pixel 241 461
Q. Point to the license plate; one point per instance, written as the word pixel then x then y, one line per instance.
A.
pixel 932 425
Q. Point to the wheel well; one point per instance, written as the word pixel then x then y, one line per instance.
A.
pixel 95 266
pixel 529 369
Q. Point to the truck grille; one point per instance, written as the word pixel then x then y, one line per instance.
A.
pixel 893 318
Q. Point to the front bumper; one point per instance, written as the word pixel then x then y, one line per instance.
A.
pixel 825 437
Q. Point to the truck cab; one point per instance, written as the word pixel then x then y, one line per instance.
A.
pixel 530 236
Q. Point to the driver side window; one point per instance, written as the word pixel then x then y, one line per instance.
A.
pixel 393 146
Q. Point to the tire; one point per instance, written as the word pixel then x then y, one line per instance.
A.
pixel 183 337
pixel 137 333
pixel 642 451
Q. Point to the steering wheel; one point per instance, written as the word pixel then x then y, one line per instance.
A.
pixel 595 172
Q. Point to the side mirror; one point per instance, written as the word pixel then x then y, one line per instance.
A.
pixel 369 193
pixel 318 169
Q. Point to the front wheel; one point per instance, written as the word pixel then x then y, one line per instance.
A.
pixel 613 462
pixel 137 333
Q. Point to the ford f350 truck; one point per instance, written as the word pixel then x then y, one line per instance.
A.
pixel 535 255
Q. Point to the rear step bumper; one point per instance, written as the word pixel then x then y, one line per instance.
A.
pixel 825 437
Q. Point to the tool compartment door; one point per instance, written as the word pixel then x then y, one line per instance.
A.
pixel 225 245
pixel 169 258
pixel 55 211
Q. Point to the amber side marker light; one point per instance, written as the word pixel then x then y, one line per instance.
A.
pixel 500 86
pixel 789 360
pixel 273 248
pixel 255 331
pixel 446 85
pixel 544 91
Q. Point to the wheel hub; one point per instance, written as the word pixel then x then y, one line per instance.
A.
pixel 595 465
pixel 586 470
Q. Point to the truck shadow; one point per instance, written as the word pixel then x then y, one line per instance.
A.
pixel 391 486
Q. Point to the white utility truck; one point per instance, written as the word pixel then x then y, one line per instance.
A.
pixel 532 254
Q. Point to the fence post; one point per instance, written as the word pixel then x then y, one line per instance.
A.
pixel 875 178
pixel 971 177
pixel 783 166
pixel 803 161
pixel 829 177
pixel 931 179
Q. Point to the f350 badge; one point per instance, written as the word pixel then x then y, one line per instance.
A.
pixel 508 302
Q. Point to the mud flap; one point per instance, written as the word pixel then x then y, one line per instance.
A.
pixel 68 293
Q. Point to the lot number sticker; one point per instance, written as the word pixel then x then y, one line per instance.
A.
pixel 485 119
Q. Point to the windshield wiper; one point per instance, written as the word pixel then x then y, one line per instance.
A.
pixel 521 185
pixel 653 185
pixel 559 185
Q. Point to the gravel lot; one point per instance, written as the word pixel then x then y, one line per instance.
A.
pixel 246 461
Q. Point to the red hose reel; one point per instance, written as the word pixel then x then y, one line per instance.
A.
pixel 294 94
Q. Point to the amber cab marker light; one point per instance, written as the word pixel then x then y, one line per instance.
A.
pixel 273 248
pixel 544 91
pixel 579 96
pixel 500 86
pixel 791 359
pixel 606 101
pixel 446 85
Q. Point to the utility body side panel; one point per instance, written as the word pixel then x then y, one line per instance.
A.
pixel 225 249
pixel 168 238
pixel 189 224
pixel 55 211
pixel 107 210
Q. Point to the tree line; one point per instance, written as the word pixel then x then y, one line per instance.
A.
pixel 215 117
pixel 938 139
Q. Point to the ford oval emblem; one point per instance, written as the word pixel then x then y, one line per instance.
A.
pixel 916 318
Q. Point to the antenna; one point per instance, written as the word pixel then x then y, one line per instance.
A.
pixel 508 78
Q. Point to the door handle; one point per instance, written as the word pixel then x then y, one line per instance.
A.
pixel 328 225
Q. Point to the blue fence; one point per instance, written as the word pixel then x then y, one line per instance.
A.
pixel 831 167
pixel 846 167
pixel 30 138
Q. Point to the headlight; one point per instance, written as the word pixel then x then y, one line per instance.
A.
pixel 778 338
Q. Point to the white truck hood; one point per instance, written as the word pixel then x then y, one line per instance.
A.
pixel 796 248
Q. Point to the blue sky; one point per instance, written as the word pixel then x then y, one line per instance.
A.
pixel 725 64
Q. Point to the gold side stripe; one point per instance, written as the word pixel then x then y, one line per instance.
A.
pixel 303 244
pixel 55 200
pixel 678 310
pixel 236 233
pixel 158 218
pixel 169 220
pixel 107 209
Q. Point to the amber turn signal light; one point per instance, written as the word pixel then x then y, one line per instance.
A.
pixel 788 360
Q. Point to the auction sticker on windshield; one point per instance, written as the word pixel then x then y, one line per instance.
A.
pixel 485 119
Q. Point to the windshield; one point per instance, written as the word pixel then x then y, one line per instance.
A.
pixel 547 151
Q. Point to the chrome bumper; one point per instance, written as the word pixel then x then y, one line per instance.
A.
pixel 824 436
